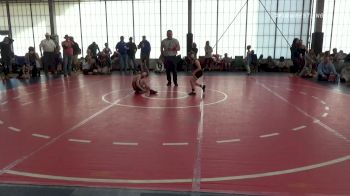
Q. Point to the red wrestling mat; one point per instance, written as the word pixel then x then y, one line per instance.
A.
pixel 259 135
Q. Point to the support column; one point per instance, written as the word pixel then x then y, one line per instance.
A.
pixel 302 21
pixel 133 20
pixel 31 19
pixel 246 28
pixel 52 13
pixel 276 26
pixel 317 36
pixel 330 40
pixel 106 22
pixel 9 19
pixel 309 30
pixel 81 31
pixel 189 34
pixel 160 21
pixel 217 27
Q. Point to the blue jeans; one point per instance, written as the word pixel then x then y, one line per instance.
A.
pixel 123 61
pixel 145 62
pixel 132 63
pixel 67 64
pixel 6 62
pixel 170 63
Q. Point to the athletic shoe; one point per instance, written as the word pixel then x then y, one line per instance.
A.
pixel 192 93
pixel 152 92
pixel 168 84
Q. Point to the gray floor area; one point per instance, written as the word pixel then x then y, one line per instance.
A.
pixel 31 190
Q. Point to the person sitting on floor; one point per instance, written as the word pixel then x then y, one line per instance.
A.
pixel 104 63
pixel 89 63
pixel 115 60
pixel 33 62
pixel 160 68
pixel 262 63
pixel 282 64
pixel 30 65
pixel 307 70
pixel 326 70
pixel 271 65
pixel 140 84
pixel 226 61
pixel 24 72
pixel 345 74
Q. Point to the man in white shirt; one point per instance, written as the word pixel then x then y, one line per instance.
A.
pixel 169 48
pixel 208 55
pixel 47 46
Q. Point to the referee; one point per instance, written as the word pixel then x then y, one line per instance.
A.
pixel 169 48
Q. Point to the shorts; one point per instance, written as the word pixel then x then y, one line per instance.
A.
pixel 198 74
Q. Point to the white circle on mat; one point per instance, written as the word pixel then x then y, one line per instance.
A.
pixel 224 98
pixel 185 95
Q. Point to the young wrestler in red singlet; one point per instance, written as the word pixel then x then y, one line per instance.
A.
pixel 139 84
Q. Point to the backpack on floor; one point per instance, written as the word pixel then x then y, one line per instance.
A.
pixel 332 78
pixel 159 68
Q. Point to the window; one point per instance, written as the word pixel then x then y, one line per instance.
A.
pixel 327 24
pixel 204 23
pixel 175 17
pixel 147 22
pixel 3 17
pixel 263 29
pixel 93 22
pixel 68 22
pixel 228 25
pixel 232 16
pixel 293 22
pixel 41 22
pixel 119 17
pixel 3 20
pixel 22 31
pixel 341 26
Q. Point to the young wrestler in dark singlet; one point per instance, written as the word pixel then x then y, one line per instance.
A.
pixel 196 74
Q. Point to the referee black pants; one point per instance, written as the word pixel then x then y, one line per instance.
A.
pixel 170 66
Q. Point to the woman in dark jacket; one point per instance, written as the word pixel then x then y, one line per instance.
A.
pixel 295 55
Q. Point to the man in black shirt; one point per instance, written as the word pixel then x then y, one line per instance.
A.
pixel 131 54
pixel 6 55
pixel 76 52
pixel 94 48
